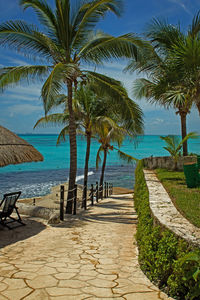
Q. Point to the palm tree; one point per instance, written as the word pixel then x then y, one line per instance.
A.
pixel 110 132
pixel 172 69
pixel 174 145
pixel 68 40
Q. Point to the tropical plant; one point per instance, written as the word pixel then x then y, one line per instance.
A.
pixel 67 40
pixel 110 132
pixel 174 145
pixel 172 69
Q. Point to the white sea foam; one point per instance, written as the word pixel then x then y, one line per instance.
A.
pixel 82 176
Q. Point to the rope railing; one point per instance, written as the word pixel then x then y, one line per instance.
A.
pixel 96 193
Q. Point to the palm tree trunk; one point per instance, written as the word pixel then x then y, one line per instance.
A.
pixel 198 107
pixel 73 150
pixel 103 170
pixel 184 132
pixel 87 156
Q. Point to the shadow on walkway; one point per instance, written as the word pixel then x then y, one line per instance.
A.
pixel 119 213
pixel 8 237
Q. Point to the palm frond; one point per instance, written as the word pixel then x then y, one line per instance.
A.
pixel 53 119
pixel 194 29
pixel 163 35
pixel 190 135
pixel 106 84
pixel 62 135
pixel 12 75
pixel 54 83
pixel 126 157
pixel 143 87
pixel 102 47
pixel 44 13
pixel 26 39
pixel 98 158
pixel 88 14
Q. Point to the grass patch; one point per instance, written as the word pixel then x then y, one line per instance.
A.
pixel 186 200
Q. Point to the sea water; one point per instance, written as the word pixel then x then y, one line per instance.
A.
pixel 36 179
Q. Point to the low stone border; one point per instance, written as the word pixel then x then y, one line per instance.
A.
pixel 165 212
pixel 167 162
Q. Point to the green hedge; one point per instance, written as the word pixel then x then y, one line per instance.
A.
pixel 160 251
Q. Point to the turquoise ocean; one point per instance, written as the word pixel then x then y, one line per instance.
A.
pixel 36 179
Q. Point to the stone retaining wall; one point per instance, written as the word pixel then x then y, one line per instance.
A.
pixel 164 211
pixel 167 162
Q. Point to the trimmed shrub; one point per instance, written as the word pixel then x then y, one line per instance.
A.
pixel 161 253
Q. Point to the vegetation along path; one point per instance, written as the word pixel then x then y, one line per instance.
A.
pixel 93 256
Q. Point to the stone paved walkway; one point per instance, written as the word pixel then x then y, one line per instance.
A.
pixel 91 257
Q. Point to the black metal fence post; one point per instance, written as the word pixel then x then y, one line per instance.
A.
pixel 62 191
pixel 92 194
pixel 97 191
pixel 75 198
pixel 107 193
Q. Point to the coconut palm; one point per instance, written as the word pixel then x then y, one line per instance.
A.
pixel 172 69
pixel 67 41
pixel 174 145
pixel 110 132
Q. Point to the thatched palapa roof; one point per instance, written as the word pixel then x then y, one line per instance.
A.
pixel 15 150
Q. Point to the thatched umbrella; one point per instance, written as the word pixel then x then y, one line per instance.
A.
pixel 15 150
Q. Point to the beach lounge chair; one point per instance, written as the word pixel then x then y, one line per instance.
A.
pixel 7 206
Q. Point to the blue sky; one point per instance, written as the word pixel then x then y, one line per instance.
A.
pixel 21 106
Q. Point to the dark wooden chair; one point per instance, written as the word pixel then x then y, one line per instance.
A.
pixel 8 205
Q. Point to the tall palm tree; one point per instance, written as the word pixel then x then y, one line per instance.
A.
pixel 172 69
pixel 68 39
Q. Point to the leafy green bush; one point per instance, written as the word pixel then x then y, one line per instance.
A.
pixel 161 253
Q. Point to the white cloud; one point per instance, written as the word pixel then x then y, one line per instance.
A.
pixel 22 93
pixel 23 109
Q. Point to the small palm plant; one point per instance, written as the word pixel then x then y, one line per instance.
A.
pixel 174 145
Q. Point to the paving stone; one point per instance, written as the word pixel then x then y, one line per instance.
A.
pixel 134 288
pixel 72 283
pixel 46 271
pixel 76 297
pixel 3 286
pixel 14 284
pixel 24 275
pixel 57 291
pixel 13 295
pixel 104 283
pixel 98 292
pixel 39 294
pixel 64 275
pixel 141 296
pixel 42 282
